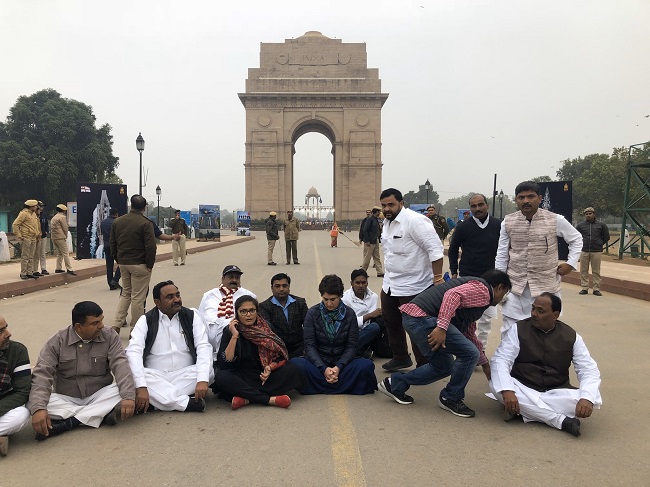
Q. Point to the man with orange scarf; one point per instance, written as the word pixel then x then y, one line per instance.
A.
pixel 217 305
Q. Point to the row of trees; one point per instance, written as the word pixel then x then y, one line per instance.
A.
pixel 48 144
pixel 598 181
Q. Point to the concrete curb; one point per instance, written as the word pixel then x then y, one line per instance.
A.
pixel 19 288
pixel 638 290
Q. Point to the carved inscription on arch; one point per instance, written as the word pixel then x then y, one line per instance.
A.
pixel 314 104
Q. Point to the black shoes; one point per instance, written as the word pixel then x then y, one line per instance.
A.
pixel 384 387
pixel 72 273
pixel 597 293
pixel 571 426
pixel 584 291
pixel 195 406
pixel 380 275
pixel 45 273
pixel 59 271
pixel 37 274
pixel 25 277
pixel 271 263
pixel 456 407
pixel 110 419
pixel 393 365
pixel 509 416
pixel 365 353
pixel 59 426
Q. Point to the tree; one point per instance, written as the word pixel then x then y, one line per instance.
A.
pixel 598 181
pixel 542 179
pixel 451 206
pixel 47 145
pixel 421 197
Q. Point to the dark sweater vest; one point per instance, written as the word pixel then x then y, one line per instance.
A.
pixel 478 245
pixel 544 358
pixel 185 316
pixel 430 301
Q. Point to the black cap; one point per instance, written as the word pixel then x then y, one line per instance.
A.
pixel 231 268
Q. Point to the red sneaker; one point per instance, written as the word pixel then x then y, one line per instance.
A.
pixel 239 402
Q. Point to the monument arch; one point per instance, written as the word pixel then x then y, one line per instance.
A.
pixel 313 84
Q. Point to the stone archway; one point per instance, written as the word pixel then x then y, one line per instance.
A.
pixel 313 84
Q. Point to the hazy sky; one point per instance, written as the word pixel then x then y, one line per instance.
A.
pixel 476 87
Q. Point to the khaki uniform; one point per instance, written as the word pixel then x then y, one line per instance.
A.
pixel 291 231
pixel 28 229
pixel 59 233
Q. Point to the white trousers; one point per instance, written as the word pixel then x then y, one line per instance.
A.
pixel 550 407
pixel 170 391
pixel 88 410
pixel 14 420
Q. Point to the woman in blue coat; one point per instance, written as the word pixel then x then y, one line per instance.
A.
pixel 330 364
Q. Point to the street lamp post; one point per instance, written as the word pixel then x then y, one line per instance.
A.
pixel 158 193
pixel 139 144
pixel 427 186
pixel 501 204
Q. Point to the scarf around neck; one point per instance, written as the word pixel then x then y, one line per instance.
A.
pixel 332 319
pixel 226 309
pixel 271 348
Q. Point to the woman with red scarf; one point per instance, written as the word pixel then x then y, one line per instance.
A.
pixel 252 361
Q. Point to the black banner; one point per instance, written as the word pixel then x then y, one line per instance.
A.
pixel 93 204
pixel 557 197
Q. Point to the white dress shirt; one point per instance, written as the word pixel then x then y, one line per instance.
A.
pixel 361 307
pixel 208 310
pixel 410 244
pixel 169 351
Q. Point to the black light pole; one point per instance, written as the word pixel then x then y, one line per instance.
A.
pixel 158 192
pixel 501 204
pixel 494 195
pixel 427 186
pixel 139 144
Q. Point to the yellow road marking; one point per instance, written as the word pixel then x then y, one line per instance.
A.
pixel 346 456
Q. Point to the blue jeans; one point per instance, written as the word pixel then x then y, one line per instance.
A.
pixel 367 336
pixel 440 363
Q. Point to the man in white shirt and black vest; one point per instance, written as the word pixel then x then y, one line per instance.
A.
pixel 169 355
pixel 530 370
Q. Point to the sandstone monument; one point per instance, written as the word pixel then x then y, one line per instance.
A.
pixel 313 84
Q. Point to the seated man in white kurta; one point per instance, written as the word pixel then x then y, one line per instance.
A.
pixel 530 370
pixel 169 355
pixel 217 305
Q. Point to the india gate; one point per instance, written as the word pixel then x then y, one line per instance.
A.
pixel 313 84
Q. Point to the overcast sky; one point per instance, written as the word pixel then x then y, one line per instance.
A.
pixel 511 87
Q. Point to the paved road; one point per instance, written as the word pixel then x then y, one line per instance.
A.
pixel 337 441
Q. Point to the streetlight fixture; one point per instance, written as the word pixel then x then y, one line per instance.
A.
pixel 501 204
pixel 427 186
pixel 158 193
pixel 139 144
